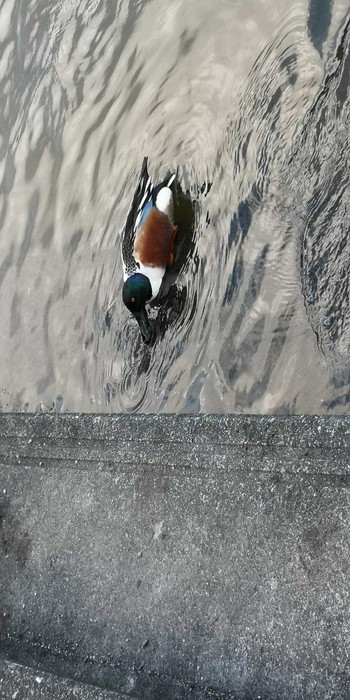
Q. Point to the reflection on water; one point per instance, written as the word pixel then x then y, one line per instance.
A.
pixel 250 97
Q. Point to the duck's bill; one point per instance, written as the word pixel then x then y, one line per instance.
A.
pixel 144 324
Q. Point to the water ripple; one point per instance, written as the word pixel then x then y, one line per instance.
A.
pixel 252 107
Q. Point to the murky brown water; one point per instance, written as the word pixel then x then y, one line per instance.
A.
pixel 252 96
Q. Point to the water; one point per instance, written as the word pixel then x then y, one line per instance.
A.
pixel 252 97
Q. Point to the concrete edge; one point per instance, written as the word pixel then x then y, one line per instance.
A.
pixel 265 430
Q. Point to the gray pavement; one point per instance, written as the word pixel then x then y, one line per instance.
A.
pixel 176 556
pixel 21 683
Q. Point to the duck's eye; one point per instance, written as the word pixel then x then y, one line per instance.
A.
pixel 132 300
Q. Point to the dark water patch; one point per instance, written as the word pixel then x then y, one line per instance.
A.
pixel 31 221
pixel 72 247
pixel 15 314
pixel 236 276
pixel 319 20
pixel 47 236
pixel 6 264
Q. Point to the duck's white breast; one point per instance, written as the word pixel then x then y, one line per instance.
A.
pixel 154 274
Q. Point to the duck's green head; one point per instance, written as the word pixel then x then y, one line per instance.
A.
pixel 136 292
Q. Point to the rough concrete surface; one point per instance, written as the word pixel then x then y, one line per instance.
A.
pixel 21 683
pixel 177 556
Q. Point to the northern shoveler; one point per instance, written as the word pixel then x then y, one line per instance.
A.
pixel 147 247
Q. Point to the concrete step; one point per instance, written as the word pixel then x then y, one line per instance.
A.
pixel 178 556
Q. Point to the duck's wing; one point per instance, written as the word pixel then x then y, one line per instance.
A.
pixel 142 195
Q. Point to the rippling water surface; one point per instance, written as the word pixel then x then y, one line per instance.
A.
pixel 251 96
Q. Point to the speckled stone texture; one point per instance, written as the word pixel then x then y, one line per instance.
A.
pixel 178 557
pixel 22 683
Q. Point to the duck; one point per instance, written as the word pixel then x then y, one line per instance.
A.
pixel 147 245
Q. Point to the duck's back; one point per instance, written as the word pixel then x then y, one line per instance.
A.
pixel 153 243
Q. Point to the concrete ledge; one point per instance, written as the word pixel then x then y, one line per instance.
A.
pixel 178 556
